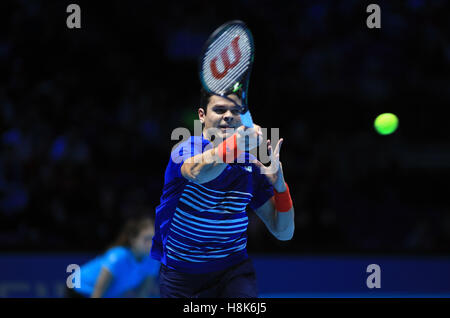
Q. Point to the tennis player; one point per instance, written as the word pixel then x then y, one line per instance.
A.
pixel 201 222
pixel 125 269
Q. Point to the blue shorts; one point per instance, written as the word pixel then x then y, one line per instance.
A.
pixel 238 281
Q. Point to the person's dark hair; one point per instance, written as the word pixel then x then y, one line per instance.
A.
pixel 131 230
pixel 204 97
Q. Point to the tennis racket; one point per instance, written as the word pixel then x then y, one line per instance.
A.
pixel 226 63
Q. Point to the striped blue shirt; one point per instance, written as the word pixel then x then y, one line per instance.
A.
pixel 202 227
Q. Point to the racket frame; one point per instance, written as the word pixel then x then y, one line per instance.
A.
pixel 246 117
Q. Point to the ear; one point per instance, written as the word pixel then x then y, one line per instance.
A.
pixel 201 115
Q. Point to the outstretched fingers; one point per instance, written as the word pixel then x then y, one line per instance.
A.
pixel 269 148
pixel 278 147
pixel 274 154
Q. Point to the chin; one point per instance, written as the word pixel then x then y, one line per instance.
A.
pixel 227 133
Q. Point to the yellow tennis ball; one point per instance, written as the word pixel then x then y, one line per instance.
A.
pixel 386 123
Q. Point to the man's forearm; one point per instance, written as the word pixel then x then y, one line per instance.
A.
pixel 203 167
pixel 284 224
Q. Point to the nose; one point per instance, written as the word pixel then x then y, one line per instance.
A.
pixel 228 116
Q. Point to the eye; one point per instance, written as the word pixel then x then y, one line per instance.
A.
pixel 235 112
pixel 219 110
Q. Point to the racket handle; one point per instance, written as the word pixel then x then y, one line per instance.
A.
pixel 246 119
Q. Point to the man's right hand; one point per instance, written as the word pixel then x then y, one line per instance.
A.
pixel 253 135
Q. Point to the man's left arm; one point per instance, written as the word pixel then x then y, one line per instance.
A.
pixel 280 224
pixel 277 213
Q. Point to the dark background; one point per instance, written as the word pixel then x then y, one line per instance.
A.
pixel 86 117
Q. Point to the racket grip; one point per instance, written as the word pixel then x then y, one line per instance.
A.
pixel 246 119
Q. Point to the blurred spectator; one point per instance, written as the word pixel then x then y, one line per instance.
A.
pixel 125 269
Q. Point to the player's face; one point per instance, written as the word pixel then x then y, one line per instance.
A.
pixel 143 242
pixel 221 114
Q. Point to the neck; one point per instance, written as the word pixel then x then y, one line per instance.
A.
pixel 217 139
pixel 206 135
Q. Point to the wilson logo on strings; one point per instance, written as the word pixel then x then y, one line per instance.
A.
pixel 226 60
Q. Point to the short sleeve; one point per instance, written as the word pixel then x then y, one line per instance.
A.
pixel 262 189
pixel 115 260
pixel 182 152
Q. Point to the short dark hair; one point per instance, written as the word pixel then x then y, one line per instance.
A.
pixel 205 96
pixel 131 230
pixel 204 99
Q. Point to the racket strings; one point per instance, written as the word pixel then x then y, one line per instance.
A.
pixel 229 81
pixel 222 41
pixel 230 78
pixel 237 71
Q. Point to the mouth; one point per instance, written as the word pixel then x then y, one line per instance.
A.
pixel 226 128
